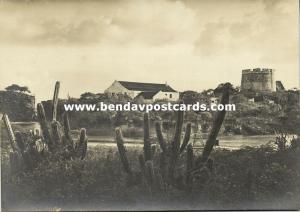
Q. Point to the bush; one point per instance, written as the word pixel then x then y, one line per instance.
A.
pixel 250 178
pixel 132 132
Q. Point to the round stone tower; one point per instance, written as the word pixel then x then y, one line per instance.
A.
pixel 258 79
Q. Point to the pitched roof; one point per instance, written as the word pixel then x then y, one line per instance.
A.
pixel 138 86
pixel 147 94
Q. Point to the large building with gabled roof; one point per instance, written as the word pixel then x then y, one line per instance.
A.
pixel 146 91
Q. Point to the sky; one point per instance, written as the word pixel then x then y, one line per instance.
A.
pixel 191 44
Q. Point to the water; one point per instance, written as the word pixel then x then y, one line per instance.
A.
pixel 19 126
pixel 237 141
pixel 227 142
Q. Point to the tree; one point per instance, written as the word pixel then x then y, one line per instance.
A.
pixel 17 88
pixel 208 92
pixel 239 98
pixel 227 85
pixel 191 97
pixel 249 93
pixel 88 95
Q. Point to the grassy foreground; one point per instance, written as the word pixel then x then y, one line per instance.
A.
pixel 250 178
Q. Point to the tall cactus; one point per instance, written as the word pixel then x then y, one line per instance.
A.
pixel 11 135
pixel 163 146
pixel 189 164
pixel 160 138
pixel 56 132
pixel 37 132
pixel 26 152
pixel 210 164
pixel 142 163
pixel 147 144
pixel 175 145
pixel 66 124
pixel 178 131
pixel 14 162
pixel 44 124
pixel 215 128
pixel 186 138
pixel 60 146
pixel 189 158
pixel 67 139
pixel 82 144
pixel 20 141
pixel 149 172
pixel 55 101
pixel 163 164
pixel 170 152
pixel 122 151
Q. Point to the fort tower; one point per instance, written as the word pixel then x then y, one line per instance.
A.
pixel 258 79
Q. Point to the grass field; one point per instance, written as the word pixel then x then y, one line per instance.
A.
pixel 249 178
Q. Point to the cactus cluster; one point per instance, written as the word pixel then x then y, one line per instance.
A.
pixel 55 139
pixel 161 174
pixel 170 152
pixel 158 166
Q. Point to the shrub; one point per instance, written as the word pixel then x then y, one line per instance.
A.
pixel 99 178
pixel 132 132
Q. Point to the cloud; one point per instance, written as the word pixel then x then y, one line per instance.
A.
pixel 155 22
pixel 210 41
pixel 143 22
pixel 82 32
pixel 45 23
pixel 264 27
pixel 191 44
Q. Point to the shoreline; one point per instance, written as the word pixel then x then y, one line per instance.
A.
pixel 107 139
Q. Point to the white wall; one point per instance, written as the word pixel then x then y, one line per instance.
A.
pixel 172 96
pixel 214 100
pixel 117 88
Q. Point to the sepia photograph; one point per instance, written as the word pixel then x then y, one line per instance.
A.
pixel 140 105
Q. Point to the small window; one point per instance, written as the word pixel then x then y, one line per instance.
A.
pixel 166 94
pixel 170 95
